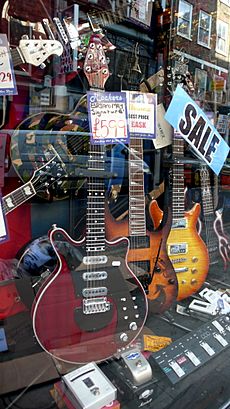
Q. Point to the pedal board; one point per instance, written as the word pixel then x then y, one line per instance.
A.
pixel 195 349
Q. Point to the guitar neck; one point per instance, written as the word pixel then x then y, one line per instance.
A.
pixel 95 237
pixel 137 223
pixel 17 197
pixel 16 56
pixel 178 178
pixel 208 214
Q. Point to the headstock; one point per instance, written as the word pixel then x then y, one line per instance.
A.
pixel 51 173
pixel 176 77
pixel 35 52
pixel 95 66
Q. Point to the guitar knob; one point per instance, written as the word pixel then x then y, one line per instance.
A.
pixel 194 270
pixel 193 281
pixel 133 326
pixel 194 259
pixel 124 337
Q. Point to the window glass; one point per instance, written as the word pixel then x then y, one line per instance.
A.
pixel 204 29
pixel 184 19
pixel 222 37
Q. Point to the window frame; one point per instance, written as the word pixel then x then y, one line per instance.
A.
pixel 227 2
pixel 219 50
pixel 200 42
pixel 188 37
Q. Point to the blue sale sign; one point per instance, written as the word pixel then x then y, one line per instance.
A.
pixel 195 127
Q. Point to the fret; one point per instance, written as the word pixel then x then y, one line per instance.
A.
pixel 208 212
pixel 16 56
pixel 178 178
pixel 137 223
pixel 95 222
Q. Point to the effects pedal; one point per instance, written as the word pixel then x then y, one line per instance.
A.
pixel 90 387
pixel 136 366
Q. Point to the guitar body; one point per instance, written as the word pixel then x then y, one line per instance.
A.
pixel 223 239
pixel 28 147
pixel 162 290
pixel 87 310
pixel 188 254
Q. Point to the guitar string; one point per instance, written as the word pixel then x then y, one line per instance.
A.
pixel 98 154
pixel 208 209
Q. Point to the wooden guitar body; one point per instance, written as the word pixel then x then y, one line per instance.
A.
pixel 188 253
pixel 144 261
pixel 90 306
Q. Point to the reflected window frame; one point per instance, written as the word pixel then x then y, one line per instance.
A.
pixel 203 14
pixel 181 19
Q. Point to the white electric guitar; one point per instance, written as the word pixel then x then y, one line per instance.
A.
pixel 35 52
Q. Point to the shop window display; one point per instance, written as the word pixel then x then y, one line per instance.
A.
pixel 114 216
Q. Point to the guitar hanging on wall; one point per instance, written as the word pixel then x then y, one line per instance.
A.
pixel 217 241
pixel 52 172
pixel 147 256
pixel 186 249
pixel 35 52
pixel 100 304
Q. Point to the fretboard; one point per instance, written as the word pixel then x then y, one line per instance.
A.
pixel 95 225
pixel 208 214
pixel 178 178
pixel 16 56
pixel 137 223
pixel 17 197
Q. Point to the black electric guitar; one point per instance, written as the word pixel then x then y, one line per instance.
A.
pixel 51 173
pixel 99 303
pixel 216 240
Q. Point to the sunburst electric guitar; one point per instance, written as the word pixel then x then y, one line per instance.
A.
pixel 148 254
pixel 186 249
pixel 92 304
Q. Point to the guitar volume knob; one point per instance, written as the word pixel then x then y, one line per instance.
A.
pixel 124 337
pixel 194 259
pixel 133 326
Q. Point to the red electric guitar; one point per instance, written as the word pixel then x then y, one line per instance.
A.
pixel 92 304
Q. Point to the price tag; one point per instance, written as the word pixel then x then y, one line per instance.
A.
pixel 7 78
pixel 142 114
pixel 107 117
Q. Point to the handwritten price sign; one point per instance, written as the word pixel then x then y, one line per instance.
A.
pixel 107 117
pixel 142 114
pixel 7 79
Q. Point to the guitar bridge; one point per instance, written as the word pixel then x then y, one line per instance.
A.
pixel 95 305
